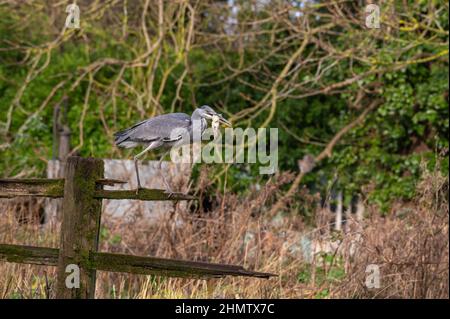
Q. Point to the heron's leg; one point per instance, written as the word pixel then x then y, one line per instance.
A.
pixel 169 189
pixel 136 165
pixel 137 173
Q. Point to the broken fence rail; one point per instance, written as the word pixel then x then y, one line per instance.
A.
pixel 128 263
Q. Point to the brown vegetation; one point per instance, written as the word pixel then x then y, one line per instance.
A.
pixel 410 245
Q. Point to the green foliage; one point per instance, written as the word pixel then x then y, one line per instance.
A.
pixel 328 269
pixel 380 158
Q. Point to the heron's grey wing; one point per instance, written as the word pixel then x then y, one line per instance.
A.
pixel 156 128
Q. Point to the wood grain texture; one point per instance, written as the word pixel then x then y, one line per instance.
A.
pixel 129 264
pixel 80 224
pixel 169 267
pixel 143 194
pixel 39 187
pixel 29 255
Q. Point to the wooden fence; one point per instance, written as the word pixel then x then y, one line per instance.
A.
pixel 82 192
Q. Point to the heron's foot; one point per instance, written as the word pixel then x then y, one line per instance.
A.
pixel 139 188
pixel 172 193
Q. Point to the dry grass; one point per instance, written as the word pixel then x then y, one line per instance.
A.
pixel 410 246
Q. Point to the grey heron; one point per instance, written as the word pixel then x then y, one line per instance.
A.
pixel 166 131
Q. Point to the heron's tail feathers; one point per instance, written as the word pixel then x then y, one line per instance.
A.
pixel 127 144
pixel 121 139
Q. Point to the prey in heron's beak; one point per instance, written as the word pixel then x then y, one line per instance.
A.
pixel 218 118
pixel 223 120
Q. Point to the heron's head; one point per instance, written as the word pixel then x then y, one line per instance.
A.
pixel 207 112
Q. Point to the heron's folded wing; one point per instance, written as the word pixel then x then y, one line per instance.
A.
pixel 167 127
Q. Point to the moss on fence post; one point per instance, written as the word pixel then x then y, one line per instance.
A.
pixel 80 225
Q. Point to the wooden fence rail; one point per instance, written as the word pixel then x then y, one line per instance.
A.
pixel 82 190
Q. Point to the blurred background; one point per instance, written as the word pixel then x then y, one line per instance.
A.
pixel 362 114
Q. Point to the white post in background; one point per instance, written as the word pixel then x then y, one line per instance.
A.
pixel 372 16
pixel 348 218
pixel 338 218
pixel 359 210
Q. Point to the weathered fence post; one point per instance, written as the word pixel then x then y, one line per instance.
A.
pixel 80 225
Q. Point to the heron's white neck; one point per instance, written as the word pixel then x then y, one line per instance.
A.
pixel 198 122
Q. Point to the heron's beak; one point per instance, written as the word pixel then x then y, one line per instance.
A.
pixel 223 120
